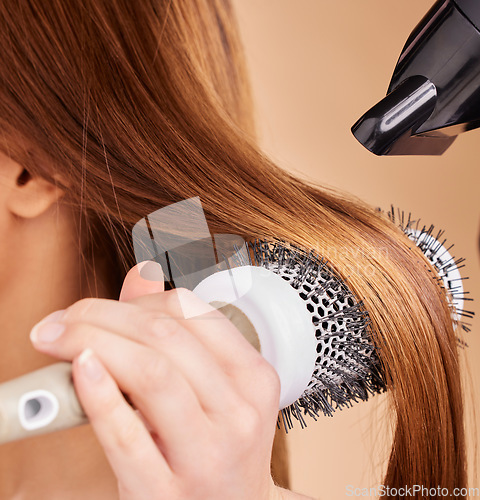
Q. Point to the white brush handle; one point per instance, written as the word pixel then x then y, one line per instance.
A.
pixel 39 402
pixel 263 306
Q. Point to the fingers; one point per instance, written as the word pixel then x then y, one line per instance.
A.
pixel 148 320
pixel 168 337
pixel 132 319
pixel 128 445
pixel 144 278
pixel 182 376
pixel 154 385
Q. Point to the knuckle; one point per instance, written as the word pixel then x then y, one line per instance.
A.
pixel 267 389
pixel 271 376
pixel 108 411
pixel 155 373
pixel 264 368
pixel 247 423
pixel 162 327
pixel 80 308
pixel 108 408
pixel 128 433
pixel 152 325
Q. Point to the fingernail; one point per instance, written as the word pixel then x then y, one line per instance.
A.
pixel 46 332
pixel 90 365
pixel 51 318
pixel 151 271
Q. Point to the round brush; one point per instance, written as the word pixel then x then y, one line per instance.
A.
pixel 290 305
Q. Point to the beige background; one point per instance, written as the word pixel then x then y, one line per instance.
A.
pixel 316 67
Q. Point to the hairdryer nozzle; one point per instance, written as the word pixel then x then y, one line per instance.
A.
pixel 434 93
pixel 389 127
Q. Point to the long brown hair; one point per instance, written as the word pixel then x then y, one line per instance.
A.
pixel 139 104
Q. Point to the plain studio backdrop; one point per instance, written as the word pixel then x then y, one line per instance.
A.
pixel 316 67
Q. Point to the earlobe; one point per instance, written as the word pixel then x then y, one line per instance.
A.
pixel 32 195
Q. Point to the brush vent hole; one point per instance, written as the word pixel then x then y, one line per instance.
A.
pixel 37 409
pixel 32 408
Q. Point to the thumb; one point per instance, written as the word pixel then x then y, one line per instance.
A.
pixel 143 279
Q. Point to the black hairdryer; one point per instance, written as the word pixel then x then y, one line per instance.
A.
pixel 434 94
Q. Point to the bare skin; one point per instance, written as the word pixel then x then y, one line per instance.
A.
pixel 124 454
pixel 42 276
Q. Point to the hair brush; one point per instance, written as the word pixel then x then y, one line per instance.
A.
pixel 288 303
pixel 434 246
pixel 318 341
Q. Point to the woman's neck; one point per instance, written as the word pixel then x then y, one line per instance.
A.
pixel 64 465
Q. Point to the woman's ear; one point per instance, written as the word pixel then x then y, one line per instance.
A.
pixel 30 196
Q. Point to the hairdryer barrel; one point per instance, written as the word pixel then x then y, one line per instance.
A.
pixel 434 93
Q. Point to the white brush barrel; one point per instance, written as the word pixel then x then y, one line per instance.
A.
pixel 280 317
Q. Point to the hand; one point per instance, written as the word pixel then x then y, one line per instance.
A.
pixel 205 402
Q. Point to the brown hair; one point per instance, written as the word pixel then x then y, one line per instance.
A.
pixel 141 104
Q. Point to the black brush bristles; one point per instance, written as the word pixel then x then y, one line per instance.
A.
pixel 434 246
pixel 347 369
